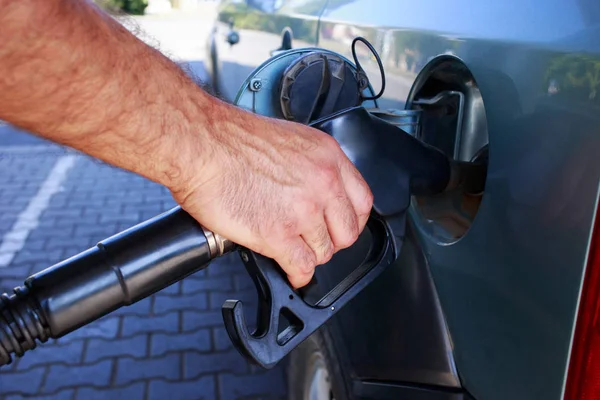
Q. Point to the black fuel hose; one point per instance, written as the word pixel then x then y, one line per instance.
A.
pixel 119 271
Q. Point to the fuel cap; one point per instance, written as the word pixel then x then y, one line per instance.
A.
pixel 316 85
pixel 266 87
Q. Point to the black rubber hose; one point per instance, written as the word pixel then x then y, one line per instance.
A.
pixel 118 271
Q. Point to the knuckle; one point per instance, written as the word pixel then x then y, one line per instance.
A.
pixel 307 144
pixel 309 208
pixel 330 176
pixel 363 187
pixel 350 234
pixel 289 227
pixel 366 205
pixel 349 238
pixel 329 142
pixel 324 252
pixel 327 254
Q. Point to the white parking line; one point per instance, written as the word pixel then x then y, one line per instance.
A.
pixel 32 148
pixel 14 240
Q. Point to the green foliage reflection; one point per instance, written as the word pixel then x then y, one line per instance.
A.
pixel 245 17
pixel 576 76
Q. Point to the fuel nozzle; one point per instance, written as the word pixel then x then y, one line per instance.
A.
pixel 118 271
pixel 395 164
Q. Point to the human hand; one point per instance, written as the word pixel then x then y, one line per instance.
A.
pixel 281 189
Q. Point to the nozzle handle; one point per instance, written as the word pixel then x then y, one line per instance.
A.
pixel 267 345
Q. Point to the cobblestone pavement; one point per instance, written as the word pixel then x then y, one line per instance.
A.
pixel 171 345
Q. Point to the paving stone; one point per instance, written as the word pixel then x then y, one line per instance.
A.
pixel 10 208
pixel 47 353
pixel 268 385
pixel 60 376
pixel 43 233
pixel 66 226
pixel 106 327
pixel 133 324
pixel 37 244
pixel 94 212
pixel 135 391
pixel 135 346
pixel 58 200
pixel 162 343
pixel 124 200
pixel 227 265
pixel 154 193
pixel 196 301
pixel 22 382
pixel 22 199
pixel 146 215
pixel 51 256
pixel 97 231
pixel 196 364
pixel 14 271
pixel 166 367
pixel 150 208
pixel 222 283
pixel 66 394
pixel 7 222
pixel 172 289
pixel 86 202
pixel 203 388
pixel 193 320
pixel 62 212
pixel 168 204
pixel 199 274
pixel 243 281
pixel 62 241
pixel 221 339
pixel 129 217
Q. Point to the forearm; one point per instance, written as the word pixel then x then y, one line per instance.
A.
pixel 72 74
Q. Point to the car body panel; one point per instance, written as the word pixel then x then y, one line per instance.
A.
pixel 510 287
pixel 395 328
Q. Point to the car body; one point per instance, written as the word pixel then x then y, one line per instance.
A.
pixel 490 314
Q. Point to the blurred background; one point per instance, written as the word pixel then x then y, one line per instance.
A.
pixel 55 202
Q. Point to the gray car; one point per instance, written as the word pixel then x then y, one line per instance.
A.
pixel 495 294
